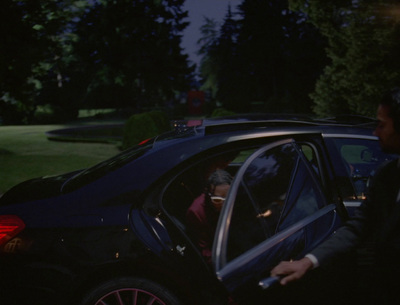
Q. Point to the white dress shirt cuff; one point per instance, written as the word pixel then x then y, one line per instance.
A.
pixel 313 260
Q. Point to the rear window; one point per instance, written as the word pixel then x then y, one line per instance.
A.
pixel 93 173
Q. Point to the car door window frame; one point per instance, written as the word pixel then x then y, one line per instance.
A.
pixel 221 239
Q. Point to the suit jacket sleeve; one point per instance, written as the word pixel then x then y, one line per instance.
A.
pixel 364 222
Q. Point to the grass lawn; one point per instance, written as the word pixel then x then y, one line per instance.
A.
pixel 26 153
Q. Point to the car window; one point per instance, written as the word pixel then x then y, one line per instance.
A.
pixel 310 154
pixel 277 189
pixel 243 155
pixel 360 158
pixel 190 183
pixel 93 173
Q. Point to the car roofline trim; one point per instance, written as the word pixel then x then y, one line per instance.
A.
pixel 352 135
pixel 252 125
pixel 266 123
pixel 273 134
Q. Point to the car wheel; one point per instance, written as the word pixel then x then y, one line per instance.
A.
pixel 130 291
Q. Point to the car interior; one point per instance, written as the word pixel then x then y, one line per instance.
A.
pixel 190 183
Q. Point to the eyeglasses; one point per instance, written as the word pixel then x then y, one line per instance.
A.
pixel 217 199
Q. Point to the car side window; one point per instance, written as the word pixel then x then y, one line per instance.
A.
pixel 309 152
pixel 190 183
pixel 360 158
pixel 277 189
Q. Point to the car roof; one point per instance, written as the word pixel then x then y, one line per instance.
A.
pixel 248 123
pixel 300 119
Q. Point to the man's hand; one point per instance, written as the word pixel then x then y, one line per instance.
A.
pixel 292 271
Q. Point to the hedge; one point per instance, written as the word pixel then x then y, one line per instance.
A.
pixel 143 126
pixel 219 112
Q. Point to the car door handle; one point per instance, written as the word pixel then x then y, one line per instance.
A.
pixel 268 282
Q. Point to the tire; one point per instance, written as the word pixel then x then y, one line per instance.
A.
pixel 130 291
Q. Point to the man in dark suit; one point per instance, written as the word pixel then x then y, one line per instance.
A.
pixel 378 215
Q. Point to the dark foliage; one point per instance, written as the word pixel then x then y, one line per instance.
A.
pixel 76 54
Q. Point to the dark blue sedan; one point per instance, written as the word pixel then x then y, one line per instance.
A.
pixel 117 234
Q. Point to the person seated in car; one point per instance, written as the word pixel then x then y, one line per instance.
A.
pixel 193 180
pixel 202 215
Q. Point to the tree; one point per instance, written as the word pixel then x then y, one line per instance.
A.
pixel 364 44
pixel 30 31
pixel 35 35
pixel 267 56
pixel 261 48
pixel 208 67
pixel 129 54
pixel 105 53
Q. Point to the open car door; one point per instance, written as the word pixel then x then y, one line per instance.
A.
pixel 275 211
